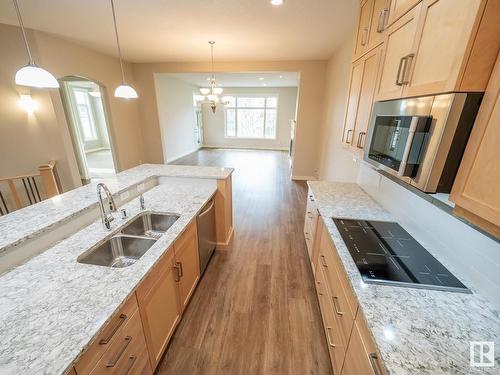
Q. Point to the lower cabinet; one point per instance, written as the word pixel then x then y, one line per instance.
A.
pixel 120 348
pixel 187 264
pixel 351 348
pixel 159 306
pixel 136 337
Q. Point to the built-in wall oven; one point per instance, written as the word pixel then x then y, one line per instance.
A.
pixel 422 140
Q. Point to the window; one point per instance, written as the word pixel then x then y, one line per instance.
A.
pixel 251 116
pixel 83 107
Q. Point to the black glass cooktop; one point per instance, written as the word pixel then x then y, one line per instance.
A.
pixel 386 254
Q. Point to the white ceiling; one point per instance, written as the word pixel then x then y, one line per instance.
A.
pixel 264 79
pixel 178 30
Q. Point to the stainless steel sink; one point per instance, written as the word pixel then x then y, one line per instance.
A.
pixel 119 251
pixel 150 224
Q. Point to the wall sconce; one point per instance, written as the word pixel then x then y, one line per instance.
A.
pixel 27 103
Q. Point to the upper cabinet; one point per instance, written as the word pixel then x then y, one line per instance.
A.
pixel 431 48
pixel 360 99
pixel 373 16
pixel 476 191
pixel 398 8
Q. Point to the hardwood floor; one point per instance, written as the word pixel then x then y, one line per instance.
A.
pixel 255 310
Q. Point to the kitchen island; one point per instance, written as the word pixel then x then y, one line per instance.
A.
pixel 53 307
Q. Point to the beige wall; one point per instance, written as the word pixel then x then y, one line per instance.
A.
pixel 336 162
pixel 214 124
pixel 28 141
pixel 176 116
pixel 309 111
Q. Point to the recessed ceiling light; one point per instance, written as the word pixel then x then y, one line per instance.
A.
pixel 261 78
pixel 265 84
pixel 276 2
pixel 281 76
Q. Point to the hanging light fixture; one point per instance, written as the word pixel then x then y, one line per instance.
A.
pixel 123 91
pixel 212 95
pixel 32 75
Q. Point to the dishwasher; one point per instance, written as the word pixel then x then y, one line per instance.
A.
pixel 206 234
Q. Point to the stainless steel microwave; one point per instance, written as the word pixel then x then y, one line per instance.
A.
pixel 422 140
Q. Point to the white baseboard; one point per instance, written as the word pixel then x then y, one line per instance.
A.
pixel 246 148
pixel 304 178
pixel 181 156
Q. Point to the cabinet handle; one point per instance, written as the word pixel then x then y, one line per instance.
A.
pixel 132 360
pixel 181 271
pixel 336 307
pixel 177 276
pixel 364 35
pixel 311 198
pixel 382 18
pixel 347 136
pixel 361 136
pixel 406 71
pixel 373 362
pixel 323 261
pixel 328 329
pixel 122 319
pixel 400 67
pixel 118 355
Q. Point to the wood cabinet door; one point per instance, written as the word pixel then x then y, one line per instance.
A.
pixel 353 101
pixel 400 7
pixel 158 306
pixel 378 22
pixel 361 356
pixel 398 44
pixel 477 185
pixel 441 45
pixel 187 262
pixel 365 14
pixel 371 63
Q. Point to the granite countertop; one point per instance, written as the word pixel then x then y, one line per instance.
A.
pixel 417 331
pixel 52 307
pixel 29 222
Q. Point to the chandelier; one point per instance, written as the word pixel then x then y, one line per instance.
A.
pixel 212 94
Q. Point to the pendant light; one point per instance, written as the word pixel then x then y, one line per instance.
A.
pixel 32 75
pixel 123 91
pixel 212 95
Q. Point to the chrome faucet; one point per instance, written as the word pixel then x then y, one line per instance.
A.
pixel 106 217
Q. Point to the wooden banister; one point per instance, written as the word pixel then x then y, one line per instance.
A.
pixel 47 173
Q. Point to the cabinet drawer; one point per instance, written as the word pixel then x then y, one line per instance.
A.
pixel 336 276
pixel 127 354
pixel 337 343
pixel 107 337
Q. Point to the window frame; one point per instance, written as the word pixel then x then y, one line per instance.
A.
pixel 90 111
pixel 265 108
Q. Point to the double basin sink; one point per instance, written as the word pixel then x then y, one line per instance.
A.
pixel 132 241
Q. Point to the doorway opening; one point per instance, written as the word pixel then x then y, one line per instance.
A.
pixel 88 121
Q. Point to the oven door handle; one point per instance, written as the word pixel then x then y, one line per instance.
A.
pixel 409 142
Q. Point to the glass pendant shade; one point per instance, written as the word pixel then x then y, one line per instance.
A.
pixel 212 97
pixel 218 90
pixel 34 76
pixel 125 92
pixel 204 91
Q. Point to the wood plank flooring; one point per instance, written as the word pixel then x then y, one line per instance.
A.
pixel 255 310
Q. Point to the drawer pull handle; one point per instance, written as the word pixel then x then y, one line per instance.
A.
pixel 181 271
pixel 336 307
pixel 131 362
pixel 115 360
pixel 373 362
pixel 328 329
pixel 323 261
pixel 122 319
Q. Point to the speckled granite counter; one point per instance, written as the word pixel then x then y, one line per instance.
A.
pixel 52 306
pixel 31 221
pixel 417 331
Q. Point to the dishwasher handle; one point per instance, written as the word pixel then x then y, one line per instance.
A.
pixel 212 202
